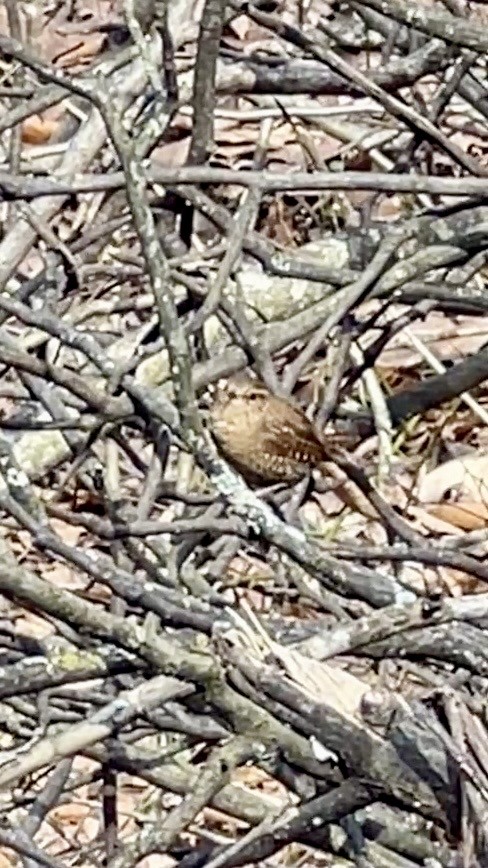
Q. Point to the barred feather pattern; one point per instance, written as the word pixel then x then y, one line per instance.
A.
pixel 265 437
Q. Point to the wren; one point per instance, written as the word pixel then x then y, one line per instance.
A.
pixel 267 438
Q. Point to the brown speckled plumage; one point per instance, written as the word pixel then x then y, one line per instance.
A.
pixel 266 438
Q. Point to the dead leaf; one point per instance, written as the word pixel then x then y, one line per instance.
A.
pixel 425 520
pixel 38 131
pixel 457 583
pixel 62 576
pixel 72 812
pixel 69 533
pixel 448 338
pixel 80 54
pixel 468 476
pixel 156 860
pixel 33 625
pixel 323 682
pixel 464 514
pixel 240 27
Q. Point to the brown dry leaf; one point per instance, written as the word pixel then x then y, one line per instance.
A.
pixel 37 130
pixel 457 583
pixel 425 521
pixel 442 519
pixel 53 36
pixel 217 820
pixel 7 859
pixel 156 860
pixel 82 53
pixel 258 601
pixel 240 26
pixel 172 154
pixel 250 776
pixel 247 571
pixel 32 625
pixel 421 579
pixel 60 36
pixel 132 789
pixel 464 514
pixel 69 533
pixel 229 131
pixel 350 494
pixel 72 813
pixel 468 476
pixel 388 209
pixel 99 593
pixel 62 576
pixel 323 682
pixel 254 778
pixel 235 140
pixel 89 829
pixel 447 338
pixel 472 145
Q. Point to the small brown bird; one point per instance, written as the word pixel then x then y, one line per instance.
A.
pixel 270 439
pixel 266 438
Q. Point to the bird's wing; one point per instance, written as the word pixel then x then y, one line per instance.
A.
pixel 291 432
